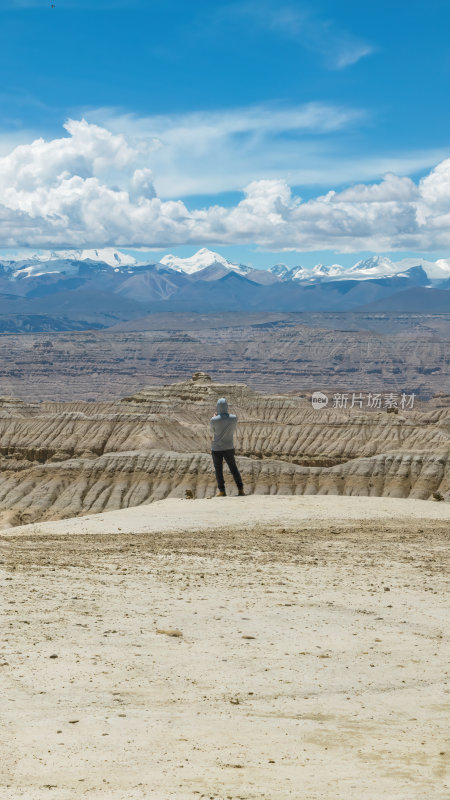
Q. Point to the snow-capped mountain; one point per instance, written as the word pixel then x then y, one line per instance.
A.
pixel 366 269
pixel 299 274
pixel 45 262
pixel 332 272
pixel 280 270
pixel 78 289
pixel 320 272
pixel 285 273
pixel 200 260
pixel 436 270
pixel 60 289
pixel 383 267
pixel 374 267
pixel 105 255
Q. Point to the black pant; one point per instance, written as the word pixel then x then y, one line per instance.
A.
pixel 228 455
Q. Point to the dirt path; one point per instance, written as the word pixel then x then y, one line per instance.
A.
pixel 313 661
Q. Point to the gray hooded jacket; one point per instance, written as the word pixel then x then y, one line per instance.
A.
pixel 223 425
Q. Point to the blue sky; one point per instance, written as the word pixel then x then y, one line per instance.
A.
pixel 214 97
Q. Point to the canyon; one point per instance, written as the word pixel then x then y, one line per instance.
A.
pixel 67 459
pixel 273 352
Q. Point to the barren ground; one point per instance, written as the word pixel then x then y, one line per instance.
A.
pixel 313 661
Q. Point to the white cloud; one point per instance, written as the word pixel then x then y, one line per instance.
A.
pixel 216 151
pixel 391 188
pixel 206 153
pixel 337 47
pixel 94 188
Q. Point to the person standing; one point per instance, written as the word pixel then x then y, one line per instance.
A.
pixel 223 426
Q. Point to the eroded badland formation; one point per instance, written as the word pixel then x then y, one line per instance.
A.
pixel 67 459
pixel 271 352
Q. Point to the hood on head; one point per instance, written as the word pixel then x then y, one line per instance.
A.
pixel 222 406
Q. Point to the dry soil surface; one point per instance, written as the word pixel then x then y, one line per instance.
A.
pixel 259 647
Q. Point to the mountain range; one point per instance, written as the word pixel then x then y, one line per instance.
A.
pixel 79 289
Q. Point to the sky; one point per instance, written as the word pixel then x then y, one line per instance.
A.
pixel 272 131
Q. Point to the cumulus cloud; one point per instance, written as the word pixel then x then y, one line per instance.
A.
pixel 94 188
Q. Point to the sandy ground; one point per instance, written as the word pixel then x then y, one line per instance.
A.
pixel 312 663
pixel 235 512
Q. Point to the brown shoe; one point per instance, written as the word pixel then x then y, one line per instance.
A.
pixel 221 494
pixel 241 493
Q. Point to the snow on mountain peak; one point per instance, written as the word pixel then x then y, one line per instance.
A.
pixel 110 256
pixel 373 267
pixel 280 270
pixel 200 260
pixel 299 274
pixel 436 270
pixel 372 262
pixel 27 264
pixel 105 255
pixel 332 271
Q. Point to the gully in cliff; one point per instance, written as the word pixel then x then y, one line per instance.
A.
pixel 223 426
